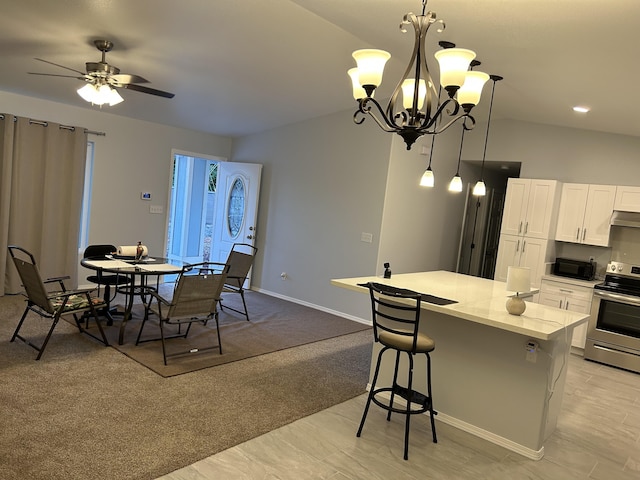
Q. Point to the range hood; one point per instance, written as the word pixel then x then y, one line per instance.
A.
pixel 625 219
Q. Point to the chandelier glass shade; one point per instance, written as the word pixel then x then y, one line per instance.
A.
pixel 420 110
pixel 100 94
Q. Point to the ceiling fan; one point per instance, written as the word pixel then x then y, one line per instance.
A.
pixel 102 79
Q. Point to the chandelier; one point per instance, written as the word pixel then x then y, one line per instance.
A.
pixel 420 112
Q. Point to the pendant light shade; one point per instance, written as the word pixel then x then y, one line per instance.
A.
pixel 456 184
pixel 427 179
pixel 480 189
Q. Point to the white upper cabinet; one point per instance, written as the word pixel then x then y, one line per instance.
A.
pixel 585 213
pixel 530 207
pixel 627 199
pixel 515 206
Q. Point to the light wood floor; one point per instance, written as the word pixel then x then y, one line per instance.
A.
pixel 597 437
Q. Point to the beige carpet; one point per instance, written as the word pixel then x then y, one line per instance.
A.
pixel 86 411
pixel 274 325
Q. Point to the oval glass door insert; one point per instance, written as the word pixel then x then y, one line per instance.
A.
pixel 235 208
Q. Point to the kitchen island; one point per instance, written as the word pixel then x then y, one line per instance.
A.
pixel 486 380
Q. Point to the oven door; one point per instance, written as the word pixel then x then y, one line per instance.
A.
pixel 615 320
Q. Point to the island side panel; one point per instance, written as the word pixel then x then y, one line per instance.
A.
pixel 480 376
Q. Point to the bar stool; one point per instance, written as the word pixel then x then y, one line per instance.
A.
pixel 396 318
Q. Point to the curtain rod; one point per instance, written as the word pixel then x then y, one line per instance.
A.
pixel 65 127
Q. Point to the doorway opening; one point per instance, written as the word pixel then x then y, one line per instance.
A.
pixel 482 217
pixel 192 200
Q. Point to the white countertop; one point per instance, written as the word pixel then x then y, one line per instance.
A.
pixel 479 300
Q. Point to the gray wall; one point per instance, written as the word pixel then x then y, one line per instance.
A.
pixel 327 180
pixel 323 184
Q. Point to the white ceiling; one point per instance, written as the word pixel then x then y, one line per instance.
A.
pixel 244 66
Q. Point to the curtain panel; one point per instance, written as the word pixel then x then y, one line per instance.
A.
pixel 41 185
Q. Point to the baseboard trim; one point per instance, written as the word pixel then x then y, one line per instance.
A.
pixel 312 305
pixel 485 435
pixel 492 437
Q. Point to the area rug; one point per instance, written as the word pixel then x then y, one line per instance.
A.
pixel 275 324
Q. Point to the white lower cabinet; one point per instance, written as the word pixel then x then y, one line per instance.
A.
pixel 566 296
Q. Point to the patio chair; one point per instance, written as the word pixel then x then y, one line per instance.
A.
pixel 52 305
pixel 195 298
pixel 240 260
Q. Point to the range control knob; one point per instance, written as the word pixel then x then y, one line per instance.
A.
pixel 619 268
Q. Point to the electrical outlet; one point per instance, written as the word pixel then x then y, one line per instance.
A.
pixel 156 209
pixel 366 237
pixel 531 348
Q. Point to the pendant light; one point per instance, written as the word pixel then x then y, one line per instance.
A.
pixel 456 182
pixel 428 179
pixel 480 189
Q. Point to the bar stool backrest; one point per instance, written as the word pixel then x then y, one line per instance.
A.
pixel 396 311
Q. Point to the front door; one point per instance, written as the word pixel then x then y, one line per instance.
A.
pixel 236 208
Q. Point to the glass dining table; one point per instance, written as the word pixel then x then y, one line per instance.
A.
pixel 138 272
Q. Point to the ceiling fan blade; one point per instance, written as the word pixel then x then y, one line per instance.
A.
pixel 125 78
pixel 61 66
pixel 56 75
pixel 152 91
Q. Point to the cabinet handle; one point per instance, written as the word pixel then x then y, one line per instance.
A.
pixel 520 227
pixel 566 291
pixel 518 246
pixel 526 227
pixel 584 234
pixel 567 305
pixel 578 234
pixel 524 244
pixel 560 304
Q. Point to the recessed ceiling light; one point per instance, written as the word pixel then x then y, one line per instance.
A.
pixel 581 109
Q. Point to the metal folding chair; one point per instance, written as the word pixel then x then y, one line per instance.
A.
pixel 52 305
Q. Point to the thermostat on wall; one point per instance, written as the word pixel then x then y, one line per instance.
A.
pixel 145 195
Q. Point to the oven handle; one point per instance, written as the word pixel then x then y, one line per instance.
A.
pixel 618 297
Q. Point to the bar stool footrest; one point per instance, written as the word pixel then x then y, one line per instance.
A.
pixel 412 396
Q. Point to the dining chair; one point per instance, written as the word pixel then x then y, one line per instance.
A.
pixel 195 299
pixel 52 305
pixel 240 261
pixel 107 281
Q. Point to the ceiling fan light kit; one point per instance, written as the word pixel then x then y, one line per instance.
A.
pixel 420 112
pixel 100 95
pixel 103 80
